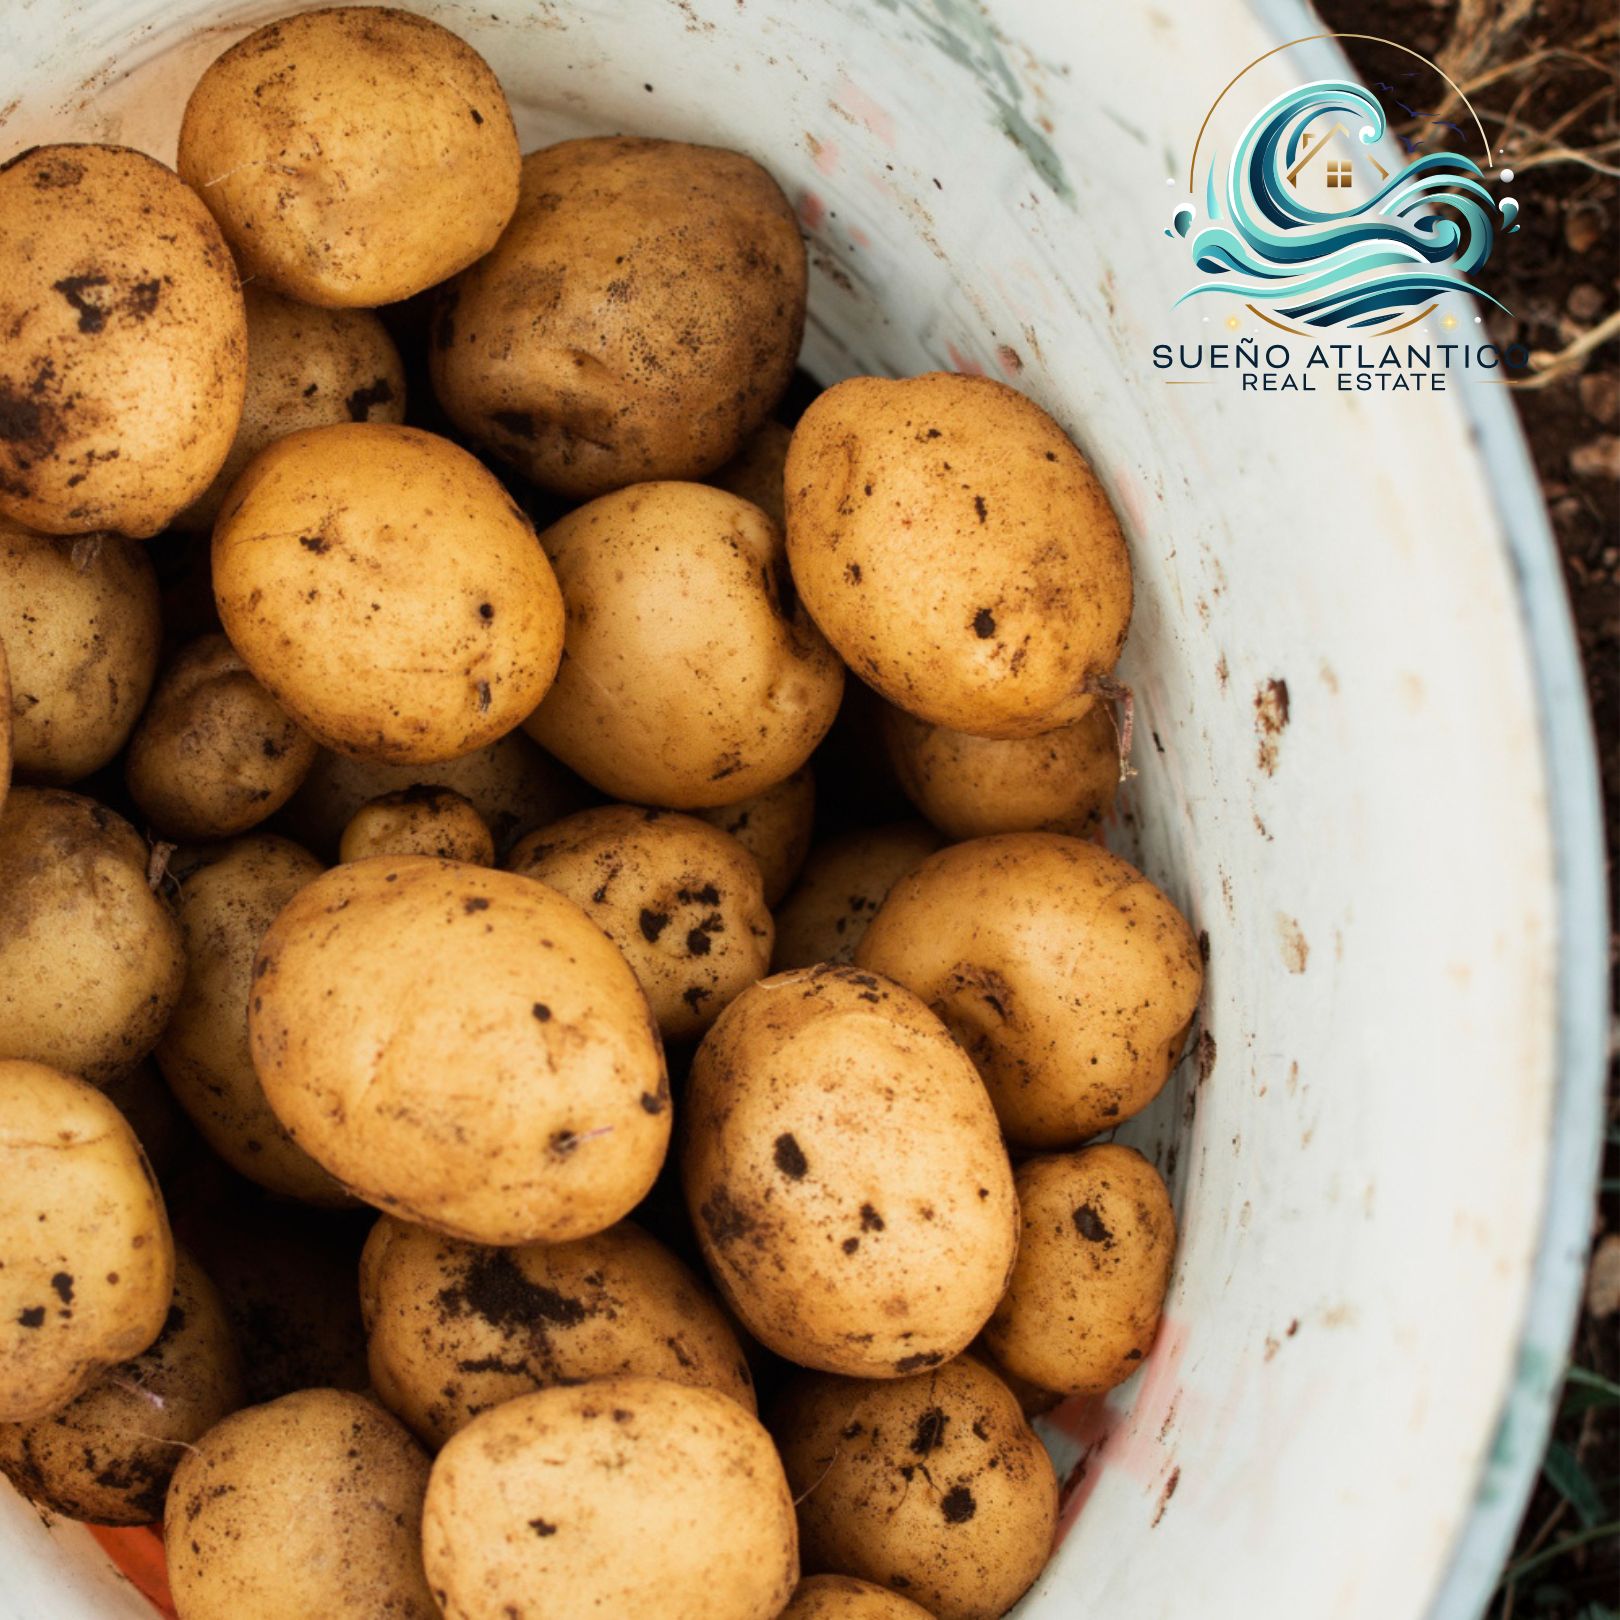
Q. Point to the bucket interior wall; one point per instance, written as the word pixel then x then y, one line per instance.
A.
pixel 1344 775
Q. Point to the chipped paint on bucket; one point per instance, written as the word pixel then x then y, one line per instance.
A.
pixel 1366 770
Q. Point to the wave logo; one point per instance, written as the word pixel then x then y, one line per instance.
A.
pixel 1313 232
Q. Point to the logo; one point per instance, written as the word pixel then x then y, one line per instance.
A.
pixel 1310 230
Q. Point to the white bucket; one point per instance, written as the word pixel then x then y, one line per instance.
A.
pixel 1383 1180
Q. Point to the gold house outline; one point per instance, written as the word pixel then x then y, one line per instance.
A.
pixel 1320 145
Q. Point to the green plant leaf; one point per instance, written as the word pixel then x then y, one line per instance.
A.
pixel 1566 1476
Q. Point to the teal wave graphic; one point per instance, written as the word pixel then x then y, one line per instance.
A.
pixel 1422 232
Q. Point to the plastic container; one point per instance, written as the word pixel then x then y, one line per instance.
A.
pixel 1366 767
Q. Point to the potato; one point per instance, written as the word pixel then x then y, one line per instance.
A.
pixel 637 321
pixel 844 883
pixel 842 1597
pixel 306 368
pixel 386 591
pixel 214 754
pixel 964 483
pixel 126 355
pixel 420 820
pixel 511 783
pixel 626 1497
pixel 682 900
pixel 5 727
pixel 844 1172
pixel 693 677
pixel 89 1262
pixel 286 1276
pixel 106 1457
pixel 755 472
pixel 90 958
pixel 1060 781
pixel 80 623
pixel 461 1047
pixel 774 827
pixel 1093 1265
pixel 1070 979
pixel 149 1108
pixel 352 156
pixel 456 1328
pixel 933 1486
pixel 309 1506
pixel 224 908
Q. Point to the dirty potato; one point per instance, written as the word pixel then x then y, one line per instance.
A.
pixel 755 472
pixel 693 677
pixel 121 379
pixel 461 1047
pixel 311 1505
pixel 148 1106
pixel 456 1328
pixel 1068 977
pixel 637 321
pixel 307 368
pixel 933 1485
pixel 418 821
pixel 352 156
pixel 964 483
pixel 214 753
pixel 845 1175
pixel 387 592
pixel 843 884
pixel 680 898
pixel 107 1456
pixel 1060 781
pixel 624 1496
pixel 842 1597
pixel 80 623
pixel 224 908
pixel 1093 1264
pixel 512 784
pixel 774 827
pixel 89 1262
pixel 5 726
pixel 90 958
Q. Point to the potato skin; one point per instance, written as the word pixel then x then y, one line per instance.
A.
pixel 306 368
pixel 845 1176
pixel 934 1484
pixel 625 1496
pixel 5 726
pixel 418 821
pixel 1070 979
pixel 107 1456
pixel 964 483
pixel 387 592
pixel 311 1505
pixel 121 382
pixel 843 884
pixel 637 320
pixel 214 753
pixel 1098 1236
pixel 456 1328
pixel 775 827
pixel 693 678
pixel 90 959
pixel 80 673
pixel 682 900
pixel 970 787
pixel 755 472
pixel 513 785
pixel 224 909
pixel 89 1269
pixel 461 1047
pixel 352 156
pixel 842 1597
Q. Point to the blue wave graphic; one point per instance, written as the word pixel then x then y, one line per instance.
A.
pixel 1422 232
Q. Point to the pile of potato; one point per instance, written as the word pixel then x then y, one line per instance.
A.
pixel 390 897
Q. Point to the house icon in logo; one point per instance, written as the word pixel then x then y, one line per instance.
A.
pixel 1337 172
